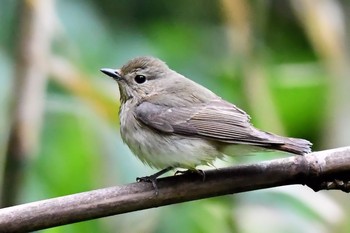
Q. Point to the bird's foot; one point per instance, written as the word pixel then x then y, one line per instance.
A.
pixel 149 179
pixel 153 178
pixel 192 171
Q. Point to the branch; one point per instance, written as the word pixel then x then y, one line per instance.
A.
pixel 328 169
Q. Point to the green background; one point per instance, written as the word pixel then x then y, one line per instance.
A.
pixel 283 62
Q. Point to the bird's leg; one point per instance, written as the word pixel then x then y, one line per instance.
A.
pixel 153 178
pixel 191 171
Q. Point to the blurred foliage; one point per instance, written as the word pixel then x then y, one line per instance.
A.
pixel 80 147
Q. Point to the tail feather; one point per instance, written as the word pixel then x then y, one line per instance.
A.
pixel 293 145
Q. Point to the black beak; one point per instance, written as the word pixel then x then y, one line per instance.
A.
pixel 115 74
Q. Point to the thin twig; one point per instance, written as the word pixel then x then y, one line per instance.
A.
pixel 328 169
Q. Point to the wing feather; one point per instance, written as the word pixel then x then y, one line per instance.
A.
pixel 217 120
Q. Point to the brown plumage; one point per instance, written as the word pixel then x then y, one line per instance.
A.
pixel 169 120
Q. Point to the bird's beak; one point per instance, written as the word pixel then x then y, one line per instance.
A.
pixel 115 74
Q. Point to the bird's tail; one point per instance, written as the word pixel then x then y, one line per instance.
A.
pixel 293 145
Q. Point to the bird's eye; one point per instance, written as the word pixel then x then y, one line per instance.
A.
pixel 140 79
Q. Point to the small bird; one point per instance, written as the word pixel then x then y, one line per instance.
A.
pixel 169 121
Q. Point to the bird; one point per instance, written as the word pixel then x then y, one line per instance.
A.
pixel 169 121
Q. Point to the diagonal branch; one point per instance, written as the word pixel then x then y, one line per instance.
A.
pixel 328 169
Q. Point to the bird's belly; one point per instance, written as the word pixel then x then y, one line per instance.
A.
pixel 160 150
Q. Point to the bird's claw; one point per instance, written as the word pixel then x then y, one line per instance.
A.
pixel 149 179
pixel 191 171
pixel 153 178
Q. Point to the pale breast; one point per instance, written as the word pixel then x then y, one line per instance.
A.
pixel 160 150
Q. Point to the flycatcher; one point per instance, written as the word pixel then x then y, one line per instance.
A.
pixel 169 121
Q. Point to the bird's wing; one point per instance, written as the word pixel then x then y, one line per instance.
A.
pixel 217 120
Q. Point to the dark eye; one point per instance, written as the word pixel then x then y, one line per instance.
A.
pixel 140 79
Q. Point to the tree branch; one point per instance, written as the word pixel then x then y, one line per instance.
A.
pixel 328 169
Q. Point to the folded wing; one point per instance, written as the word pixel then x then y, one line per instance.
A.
pixel 217 120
